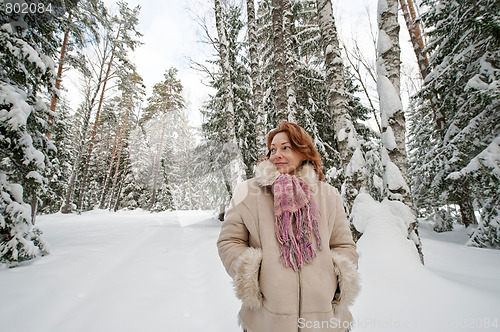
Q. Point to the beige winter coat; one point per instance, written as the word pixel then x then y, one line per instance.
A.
pixel 276 298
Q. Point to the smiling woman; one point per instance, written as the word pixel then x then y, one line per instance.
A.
pixel 290 147
pixel 286 241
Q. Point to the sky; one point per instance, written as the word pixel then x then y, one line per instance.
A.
pixel 172 36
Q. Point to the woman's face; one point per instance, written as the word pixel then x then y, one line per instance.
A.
pixel 283 156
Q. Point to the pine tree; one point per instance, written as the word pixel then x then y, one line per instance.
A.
pixel 460 98
pixel 27 74
pixel 167 98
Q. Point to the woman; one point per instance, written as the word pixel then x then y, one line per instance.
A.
pixel 286 242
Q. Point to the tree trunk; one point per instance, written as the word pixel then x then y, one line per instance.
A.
pixel 53 102
pixel 394 159
pixel 415 29
pixel 96 122
pixel 67 205
pixel 416 36
pixel 111 164
pixel 156 166
pixel 260 127
pixel 291 95
pixel 117 201
pixel 120 149
pixel 231 142
pixel 345 133
pixel 279 62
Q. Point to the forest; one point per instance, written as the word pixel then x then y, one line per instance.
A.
pixel 272 61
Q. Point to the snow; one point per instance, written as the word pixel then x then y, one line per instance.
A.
pixel 384 42
pixel 141 271
pixel 390 102
pixel 489 157
pixel 388 139
pixel 356 163
pixel 457 288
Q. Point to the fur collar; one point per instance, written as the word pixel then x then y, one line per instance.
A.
pixel 266 173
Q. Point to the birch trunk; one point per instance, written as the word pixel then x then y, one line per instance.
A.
pixel 96 122
pixel 394 159
pixel 279 62
pixel 345 133
pixel 290 61
pixel 257 97
pixel 391 107
pixel 235 157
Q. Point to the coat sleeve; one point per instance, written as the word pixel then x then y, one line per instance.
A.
pixel 341 241
pixel 241 261
pixel 344 257
pixel 233 239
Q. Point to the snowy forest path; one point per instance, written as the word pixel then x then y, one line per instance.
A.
pixel 163 269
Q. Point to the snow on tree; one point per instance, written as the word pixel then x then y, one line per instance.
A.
pixel 347 141
pixel 393 147
pixel 260 124
pixel 235 158
pixel 459 103
pixel 27 76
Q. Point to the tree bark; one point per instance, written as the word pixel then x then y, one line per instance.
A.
pixel 393 150
pixel 279 62
pixel 231 142
pixel 257 96
pixel 416 36
pixel 291 95
pixel 345 133
pixel 53 102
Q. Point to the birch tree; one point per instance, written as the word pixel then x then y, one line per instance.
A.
pixel 235 161
pixel 279 61
pixel 346 136
pixel 393 150
pixel 257 96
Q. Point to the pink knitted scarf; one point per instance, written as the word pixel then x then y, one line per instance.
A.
pixel 295 219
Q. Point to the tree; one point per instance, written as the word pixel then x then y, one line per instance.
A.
pixel 166 98
pixel 279 61
pixel 393 151
pixel 260 125
pixel 27 44
pixel 125 24
pixel 461 98
pixel 346 136
pixel 235 159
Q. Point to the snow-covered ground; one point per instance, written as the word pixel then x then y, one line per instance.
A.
pixel 137 271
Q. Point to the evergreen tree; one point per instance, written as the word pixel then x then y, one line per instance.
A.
pixel 460 102
pixel 28 43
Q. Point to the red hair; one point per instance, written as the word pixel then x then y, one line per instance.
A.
pixel 301 142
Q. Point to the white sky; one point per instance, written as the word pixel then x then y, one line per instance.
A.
pixel 171 36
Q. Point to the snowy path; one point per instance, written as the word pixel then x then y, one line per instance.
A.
pixel 135 271
pixel 132 271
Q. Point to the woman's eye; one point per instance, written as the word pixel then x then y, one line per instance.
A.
pixel 286 147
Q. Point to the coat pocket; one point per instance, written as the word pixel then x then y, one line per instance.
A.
pixel 246 279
